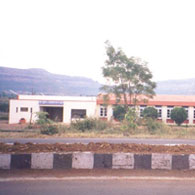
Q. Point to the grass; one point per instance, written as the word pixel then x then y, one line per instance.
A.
pixel 110 130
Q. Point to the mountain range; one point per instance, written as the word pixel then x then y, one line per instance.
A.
pixel 40 81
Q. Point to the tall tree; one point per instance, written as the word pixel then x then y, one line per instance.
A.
pixel 128 77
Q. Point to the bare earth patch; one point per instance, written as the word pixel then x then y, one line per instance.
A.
pixel 96 148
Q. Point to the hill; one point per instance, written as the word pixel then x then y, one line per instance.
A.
pixel 38 81
pixel 176 87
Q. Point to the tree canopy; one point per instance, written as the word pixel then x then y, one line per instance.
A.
pixel 179 115
pixel 127 77
pixel 150 112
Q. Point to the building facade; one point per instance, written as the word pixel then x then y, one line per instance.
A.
pixel 60 108
pixel 67 108
pixel 163 103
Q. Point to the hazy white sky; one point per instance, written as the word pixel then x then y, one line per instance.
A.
pixel 67 36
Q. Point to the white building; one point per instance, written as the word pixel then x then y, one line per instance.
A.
pixel 60 108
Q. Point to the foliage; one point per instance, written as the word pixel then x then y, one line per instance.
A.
pixel 42 118
pixel 49 129
pixel 152 125
pixel 89 124
pixel 150 112
pixel 119 112
pixel 130 121
pixel 128 77
pixel 179 115
pixel 4 107
pixel 4 116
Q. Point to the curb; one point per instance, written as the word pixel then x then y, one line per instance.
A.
pixel 89 160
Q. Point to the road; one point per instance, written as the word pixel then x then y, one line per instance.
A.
pixel 110 140
pixel 98 187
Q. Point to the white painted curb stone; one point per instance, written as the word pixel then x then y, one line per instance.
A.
pixel 42 161
pixel 161 161
pixel 123 161
pixel 83 160
pixel 5 161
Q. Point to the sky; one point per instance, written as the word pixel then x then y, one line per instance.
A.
pixel 68 36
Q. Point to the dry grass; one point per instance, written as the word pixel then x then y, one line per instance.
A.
pixel 164 131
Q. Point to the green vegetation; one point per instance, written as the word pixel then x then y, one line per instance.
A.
pixel 129 77
pixel 119 112
pixel 3 116
pixel 150 112
pixel 89 124
pixel 42 118
pixel 179 115
pixel 46 125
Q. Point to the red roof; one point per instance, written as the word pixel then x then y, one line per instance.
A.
pixel 160 100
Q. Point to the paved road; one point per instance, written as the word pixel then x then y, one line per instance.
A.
pixel 110 140
pixel 98 187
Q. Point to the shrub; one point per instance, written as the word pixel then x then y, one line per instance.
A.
pixel 119 112
pixel 4 106
pixel 179 115
pixel 4 116
pixel 150 112
pixel 49 129
pixel 89 124
pixel 130 121
pixel 152 125
pixel 43 118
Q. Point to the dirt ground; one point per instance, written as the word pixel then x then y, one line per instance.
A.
pixel 5 126
pixel 96 147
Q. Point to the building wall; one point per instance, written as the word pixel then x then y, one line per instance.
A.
pixel 16 113
pixel 190 120
pixel 33 103
pixel 89 106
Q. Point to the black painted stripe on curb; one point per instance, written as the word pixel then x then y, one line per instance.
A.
pixel 20 161
pixel 142 161
pixel 62 161
pixel 102 161
pixel 180 161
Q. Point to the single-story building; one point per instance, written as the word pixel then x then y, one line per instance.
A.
pixel 67 108
pixel 60 108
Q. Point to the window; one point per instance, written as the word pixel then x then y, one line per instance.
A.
pixel 24 109
pixel 78 113
pixel 141 109
pixel 159 111
pixel 186 109
pixel 169 109
pixel 103 111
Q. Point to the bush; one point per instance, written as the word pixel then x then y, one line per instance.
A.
pixel 4 106
pixel 150 112
pixel 179 115
pixel 4 116
pixel 130 121
pixel 89 124
pixel 119 112
pixel 49 129
pixel 152 125
pixel 43 118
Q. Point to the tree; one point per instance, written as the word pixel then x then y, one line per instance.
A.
pixel 127 77
pixel 179 115
pixel 150 112
pixel 119 112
